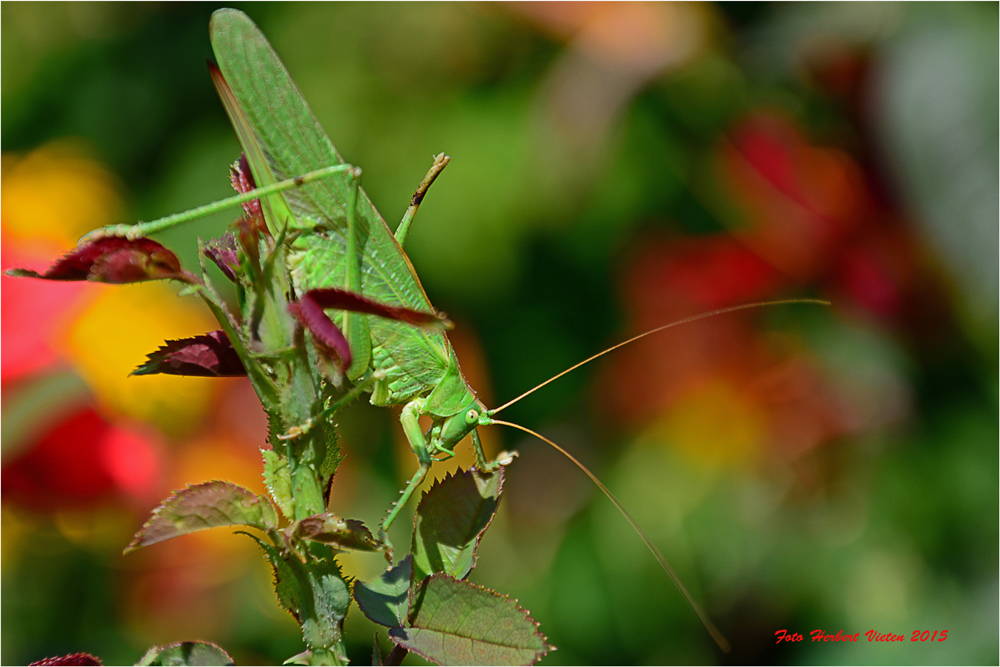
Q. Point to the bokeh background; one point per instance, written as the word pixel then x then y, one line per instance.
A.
pixel 615 167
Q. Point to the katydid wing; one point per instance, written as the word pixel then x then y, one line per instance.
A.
pixel 339 245
pixel 340 240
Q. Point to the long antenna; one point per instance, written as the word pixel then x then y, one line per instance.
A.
pixel 702 616
pixel 686 320
pixel 722 642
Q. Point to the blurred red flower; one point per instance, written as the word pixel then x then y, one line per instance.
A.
pixel 82 461
pixel 47 306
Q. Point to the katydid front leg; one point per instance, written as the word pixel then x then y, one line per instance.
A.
pixel 410 419
pixel 481 462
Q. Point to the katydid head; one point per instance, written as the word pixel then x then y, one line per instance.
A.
pixel 460 424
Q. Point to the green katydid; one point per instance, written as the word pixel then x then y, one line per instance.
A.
pixel 336 240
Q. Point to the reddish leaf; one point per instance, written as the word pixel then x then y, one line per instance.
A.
pixel 326 334
pixel 71 659
pixel 202 506
pixel 339 533
pixel 207 355
pixel 248 232
pixel 242 180
pixel 222 251
pixel 114 259
pixel 344 300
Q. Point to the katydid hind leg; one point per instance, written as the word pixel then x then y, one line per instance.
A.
pixel 440 162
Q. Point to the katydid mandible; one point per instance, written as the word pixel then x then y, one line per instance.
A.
pixel 336 239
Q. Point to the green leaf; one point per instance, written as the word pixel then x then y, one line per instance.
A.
pixel 339 533
pixel 332 458
pixel 202 506
pixel 186 653
pixel 456 622
pixel 314 592
pixel 286 585
pixel 450 521
pixel 278 481
pixel 323 619
pixel 384 601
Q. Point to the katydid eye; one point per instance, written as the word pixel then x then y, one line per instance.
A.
pixel 471 417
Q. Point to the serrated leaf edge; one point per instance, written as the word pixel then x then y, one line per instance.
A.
pixel 475 547
pixel 270 553
pixel 539 654
pixel 176 494
pixel 160 649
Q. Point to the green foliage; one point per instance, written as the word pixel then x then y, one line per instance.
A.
pixel 278 483
pixel 186 653
pixel 428 608
pixel 292 354
pixel 451 519
pixel 456 622
pixel 386 600
pixel 311 587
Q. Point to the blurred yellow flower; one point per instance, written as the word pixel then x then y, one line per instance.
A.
pixel 56 194
pixel 215 456
pixel 102 529
pixel 114 334
pixel 16 527
pixel 716 424
pixel 224 556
